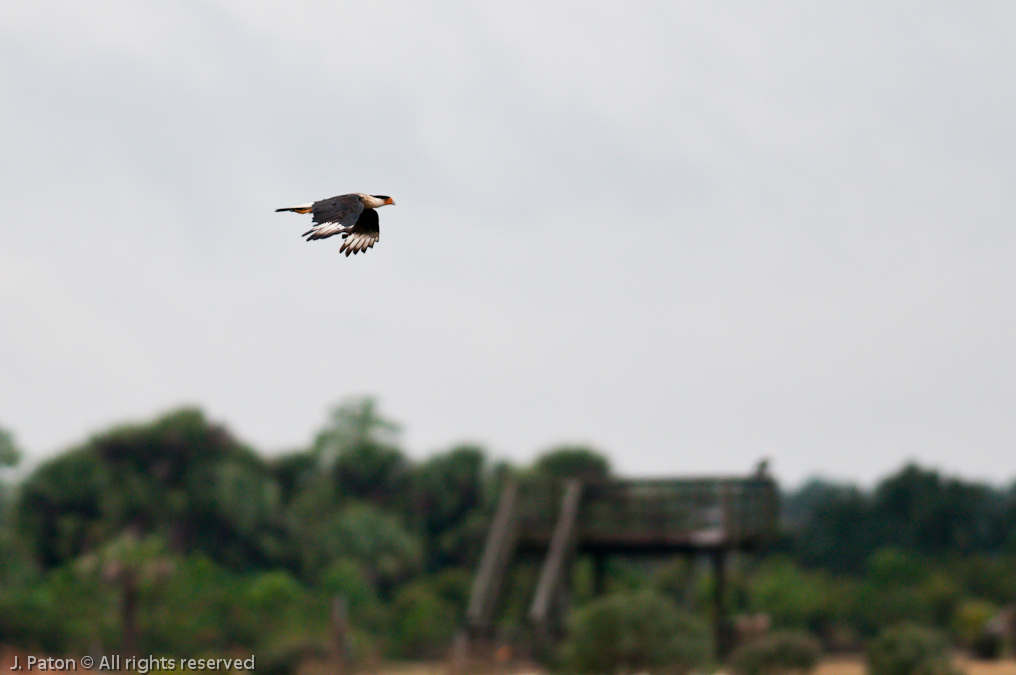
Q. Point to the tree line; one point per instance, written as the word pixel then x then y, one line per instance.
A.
pixel 204 546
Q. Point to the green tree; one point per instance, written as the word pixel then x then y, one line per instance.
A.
pixel 17 568
pixel 180 477
pixel 359 531
pixel 573 461
pixel 914 510
pixel 833 526
pixel 899 587
pixel 9 453
pixel 798 598
pixel 61 508
pixel 448 505
pixel 922 511
pixel 359 448
pixel 293 473
pixel 135 566
pixel 349 579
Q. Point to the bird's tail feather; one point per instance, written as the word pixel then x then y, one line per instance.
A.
pixel 303 208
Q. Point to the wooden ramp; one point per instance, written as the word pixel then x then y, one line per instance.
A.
pixel 497 554
pixel 556 564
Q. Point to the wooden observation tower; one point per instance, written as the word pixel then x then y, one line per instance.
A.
pixel 557 519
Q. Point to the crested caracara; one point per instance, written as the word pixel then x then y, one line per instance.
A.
pixel 353 216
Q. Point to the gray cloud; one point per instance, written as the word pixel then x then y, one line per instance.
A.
pixel 691 235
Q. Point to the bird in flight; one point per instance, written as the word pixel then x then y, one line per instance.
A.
pixel 353 216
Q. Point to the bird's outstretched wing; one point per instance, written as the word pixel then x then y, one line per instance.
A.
pixel 363 235
pixel 334 216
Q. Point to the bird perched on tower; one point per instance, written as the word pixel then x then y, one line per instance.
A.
pixel 353 216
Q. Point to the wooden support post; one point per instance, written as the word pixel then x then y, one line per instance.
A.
pixel 722 628
pixel 340 634
pixel 458 659
pixel 129 612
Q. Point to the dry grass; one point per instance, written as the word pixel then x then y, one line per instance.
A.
pixel 1006 667
pixel 855 666
pixel 852 665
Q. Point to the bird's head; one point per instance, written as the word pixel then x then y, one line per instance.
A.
pixel 384 199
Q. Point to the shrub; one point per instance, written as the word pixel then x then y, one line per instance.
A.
pixel 910 650
pixel 423 624
pixel 346 577
pixel 780 652
pixel 970 625
pixel 639 632
pixel 273 592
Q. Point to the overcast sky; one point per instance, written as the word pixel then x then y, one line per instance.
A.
pixel 689 234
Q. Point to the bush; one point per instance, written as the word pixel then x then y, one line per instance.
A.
pixel 639 632
pixel 273 592
pixel 910 650
pixel 970 625
pixel 346 577
pixel 424 622
pixel 780 652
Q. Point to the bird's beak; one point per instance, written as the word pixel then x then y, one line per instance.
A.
pixel 390 201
